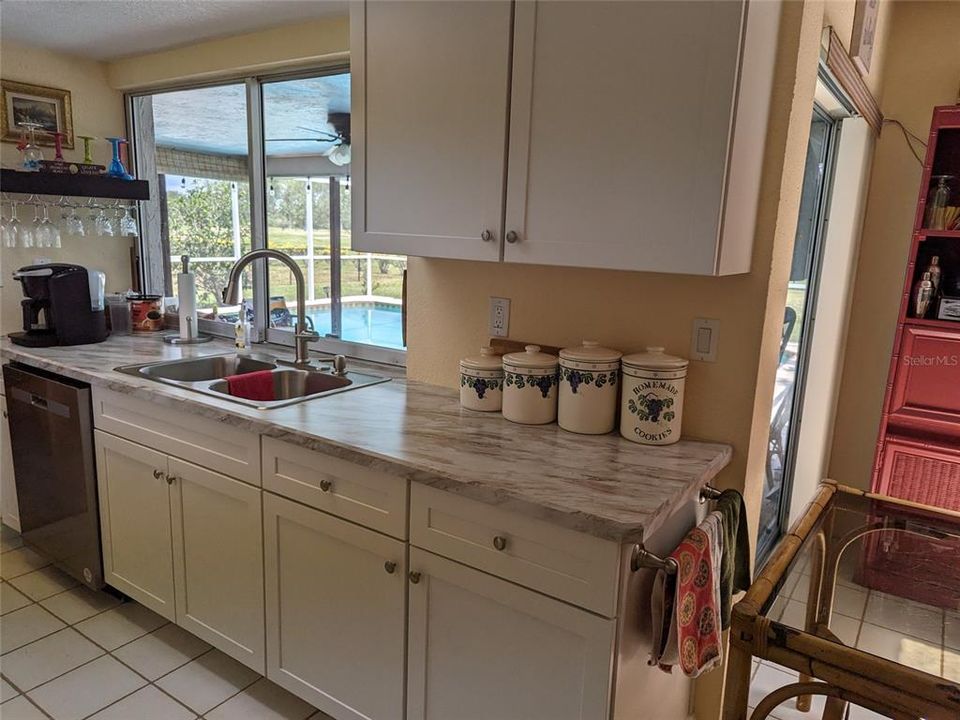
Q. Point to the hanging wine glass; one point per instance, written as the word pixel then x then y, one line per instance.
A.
pixel 72 224
pixel 32 154
pixel 128 224
pixel 48 234
pixel 7 236
pixel 102 223
pixel 14 227
pixel 29 235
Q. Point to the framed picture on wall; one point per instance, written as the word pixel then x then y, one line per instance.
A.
pixel 50 108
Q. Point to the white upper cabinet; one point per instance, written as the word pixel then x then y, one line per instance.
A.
pixel 430 91
pixel 635 142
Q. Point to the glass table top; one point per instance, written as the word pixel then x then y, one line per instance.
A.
pixel 894 576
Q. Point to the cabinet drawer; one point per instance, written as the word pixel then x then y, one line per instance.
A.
pixel 578 568
pixel 926 389
pixel 368 497
pixel 923 473
pixel 211 444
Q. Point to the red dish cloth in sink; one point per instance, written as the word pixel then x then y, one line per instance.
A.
pixel 252 386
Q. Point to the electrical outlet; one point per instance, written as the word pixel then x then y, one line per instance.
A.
pixel 499 317
pixel 704 341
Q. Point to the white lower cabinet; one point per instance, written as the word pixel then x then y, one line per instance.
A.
pixel 135 522
pixel 483 648
pixel 186 542
pixel 335 611
pixel 218 560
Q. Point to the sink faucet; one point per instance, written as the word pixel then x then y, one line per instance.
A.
pixel 231 296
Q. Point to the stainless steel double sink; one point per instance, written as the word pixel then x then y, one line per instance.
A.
pixel 207 375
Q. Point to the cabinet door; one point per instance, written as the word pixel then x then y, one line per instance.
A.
pixel 218 560
pixel 335 612
pixel 135 522
pixel 430 90
pixel 620 127
pixel 8 487
pixel 483 648
pixel 926 389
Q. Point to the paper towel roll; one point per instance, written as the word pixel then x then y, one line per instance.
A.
pixel 187 297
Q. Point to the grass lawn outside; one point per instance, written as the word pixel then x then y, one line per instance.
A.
pixel 386 275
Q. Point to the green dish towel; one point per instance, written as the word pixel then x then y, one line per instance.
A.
pixel 735 561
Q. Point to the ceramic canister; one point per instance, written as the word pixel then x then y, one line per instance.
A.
pixel 481 381
pixel 530 386
pixel 651 406
pixel 588 388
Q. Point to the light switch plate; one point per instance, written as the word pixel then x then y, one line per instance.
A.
pixel 705 339
pixel 499 317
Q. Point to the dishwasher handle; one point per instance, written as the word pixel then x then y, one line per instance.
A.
pixel 40 402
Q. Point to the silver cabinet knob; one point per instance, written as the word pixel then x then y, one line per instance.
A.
pixel 157 474
pixel 486 236
pixel 512 237
pixel 500 543
pixel 325 485
pixel 414 577
pixel 171 479
pixel 390 567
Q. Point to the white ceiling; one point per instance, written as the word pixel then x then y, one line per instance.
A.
pixel 111 29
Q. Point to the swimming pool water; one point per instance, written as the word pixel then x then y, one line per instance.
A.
pixel 370 324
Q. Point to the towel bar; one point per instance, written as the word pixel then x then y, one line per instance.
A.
pixel 642 558
pixel 708 492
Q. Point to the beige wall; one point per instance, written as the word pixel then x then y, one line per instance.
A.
pixel 922 71
pixel 97 111
pixel 304 44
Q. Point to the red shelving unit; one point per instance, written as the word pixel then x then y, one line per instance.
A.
pixel 918 448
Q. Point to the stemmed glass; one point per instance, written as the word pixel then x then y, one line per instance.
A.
pixel 29 233
pixel 128 224
pixel 72 224
pixel 102 224
pixel 14 228
pixel 48 234
pixel 7 234
pixel 32 154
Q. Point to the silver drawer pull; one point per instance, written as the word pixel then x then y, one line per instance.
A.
pixel 157 474
pixel 486 236
pixel 414 577
pixel 171 479
pixel 500 543
pixel 325 485
pixel 512 237
pixel 390 567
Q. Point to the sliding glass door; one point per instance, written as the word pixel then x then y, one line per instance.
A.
pixel 266 163
pixel 797 329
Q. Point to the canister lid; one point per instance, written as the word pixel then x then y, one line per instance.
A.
pixel 655 359
pixel 531 358
pixel 486 360
pixel 590 352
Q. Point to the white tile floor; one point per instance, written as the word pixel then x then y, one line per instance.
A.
pixel 908 632
pixel 69 653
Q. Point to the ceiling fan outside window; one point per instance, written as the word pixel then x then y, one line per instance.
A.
pixel 339 152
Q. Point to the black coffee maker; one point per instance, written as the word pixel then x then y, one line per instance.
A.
pixel 61 306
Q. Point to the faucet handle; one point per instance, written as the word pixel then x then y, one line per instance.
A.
pixel 308 335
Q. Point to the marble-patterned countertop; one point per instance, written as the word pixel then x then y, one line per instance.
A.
pixel 602 485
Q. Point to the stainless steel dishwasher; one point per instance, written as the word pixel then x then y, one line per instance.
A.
pixel 51 436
